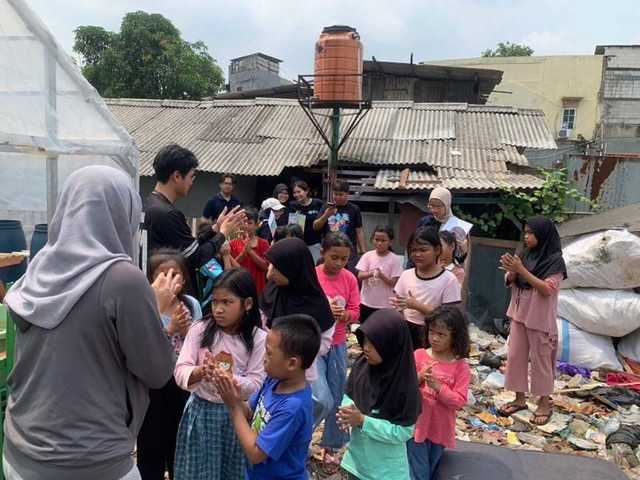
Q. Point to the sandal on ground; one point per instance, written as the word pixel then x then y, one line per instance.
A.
pixel 510 408
pixel 330 463
pixel 534 419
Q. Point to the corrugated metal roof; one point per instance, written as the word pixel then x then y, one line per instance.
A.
pixel 454 179
pixel 264 136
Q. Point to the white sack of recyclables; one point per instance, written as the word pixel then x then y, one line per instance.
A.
pixel 609 259
pixel 629 346
pixel 584 349
pixel 614 313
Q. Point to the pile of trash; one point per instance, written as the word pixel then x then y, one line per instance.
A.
pixel 595 413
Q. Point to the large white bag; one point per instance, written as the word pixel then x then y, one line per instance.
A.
pixel 585 349
pixel 614 313
pixel 609 259
pixel 629 346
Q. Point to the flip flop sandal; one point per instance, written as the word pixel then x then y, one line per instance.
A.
pixel 330 463
pixel 513 407
pixel 535 416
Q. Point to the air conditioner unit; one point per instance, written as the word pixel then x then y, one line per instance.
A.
pixel 564 133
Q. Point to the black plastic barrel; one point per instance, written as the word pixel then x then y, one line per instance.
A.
pixel 12 240
pixel 38 240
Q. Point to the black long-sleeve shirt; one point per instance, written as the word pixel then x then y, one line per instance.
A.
pixel 167 226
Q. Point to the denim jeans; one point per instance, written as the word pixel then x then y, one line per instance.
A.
pixel 423 458
pixel 332 376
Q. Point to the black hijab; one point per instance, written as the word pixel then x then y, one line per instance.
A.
pixel 279 188
pixel 292 258
pixel 391 387
pixel 546 258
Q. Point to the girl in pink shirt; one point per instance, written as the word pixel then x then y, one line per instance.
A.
pixel 443 378
pixel 230 338
pixel 535 279
pixel 378 270
pixel 422 289
pixel 341 288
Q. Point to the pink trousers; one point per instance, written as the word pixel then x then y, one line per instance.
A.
pixel 535 347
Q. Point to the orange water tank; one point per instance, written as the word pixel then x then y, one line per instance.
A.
pixel 338 65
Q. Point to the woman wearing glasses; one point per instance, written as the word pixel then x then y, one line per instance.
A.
pixel 440 208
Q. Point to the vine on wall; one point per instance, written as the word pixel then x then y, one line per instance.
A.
pixel 550 200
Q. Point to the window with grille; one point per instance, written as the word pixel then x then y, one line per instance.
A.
pixel 568 118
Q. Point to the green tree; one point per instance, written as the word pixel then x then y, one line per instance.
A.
pixel 508 49
pixel 146 59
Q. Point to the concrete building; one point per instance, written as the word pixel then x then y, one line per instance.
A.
pixel 565 88
pixel 253 72
pixel 620 97
pixel 592 106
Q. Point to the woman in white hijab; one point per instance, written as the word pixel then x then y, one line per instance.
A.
pixel 440 208
pixel 90 339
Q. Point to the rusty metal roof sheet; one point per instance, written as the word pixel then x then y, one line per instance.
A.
pixel 454 179
pixel 264 136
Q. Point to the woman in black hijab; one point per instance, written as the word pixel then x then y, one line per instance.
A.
pixel 382 403
pixel 281 192
pixel 534 277
pixel 293 287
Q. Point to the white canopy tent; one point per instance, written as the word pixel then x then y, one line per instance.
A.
pixel 52 121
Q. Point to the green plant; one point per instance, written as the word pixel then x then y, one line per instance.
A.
pixel 550 200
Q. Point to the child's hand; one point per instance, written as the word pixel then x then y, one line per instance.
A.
pixel 208 366
pixel 180 320
pixel 511 263
pixel 430 377
pixel 228 388
pixel 337 310
pixel 166 287
pixel 225 249
pixel 399 302
pixel 348 417
pixel 423 372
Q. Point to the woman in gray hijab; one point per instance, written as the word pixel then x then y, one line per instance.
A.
pixel 90 339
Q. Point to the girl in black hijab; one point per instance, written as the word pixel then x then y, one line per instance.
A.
pixel 381 404
pixel 293 287
pixel 534 277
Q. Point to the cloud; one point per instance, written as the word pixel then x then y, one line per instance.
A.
pixel 548 43
pixel 390 30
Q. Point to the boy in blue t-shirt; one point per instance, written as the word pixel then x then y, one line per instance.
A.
pixel 274 428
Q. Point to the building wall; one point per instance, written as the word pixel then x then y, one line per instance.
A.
pixel 621 92
pixel 548 83
pixel 253 73
pixel 254 80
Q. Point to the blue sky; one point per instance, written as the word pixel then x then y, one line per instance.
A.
pixel 390 30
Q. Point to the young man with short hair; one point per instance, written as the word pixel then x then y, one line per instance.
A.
pixel 274 428
pixel 166 226
pixel 224 199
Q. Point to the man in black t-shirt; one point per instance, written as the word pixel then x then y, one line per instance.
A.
pixel 224 199
pixel 343 216
pixel 166 226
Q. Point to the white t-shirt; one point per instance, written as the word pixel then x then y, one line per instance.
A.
pixel 434 291
pixel 375 293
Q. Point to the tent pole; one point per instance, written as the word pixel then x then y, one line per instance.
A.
pixel 52 187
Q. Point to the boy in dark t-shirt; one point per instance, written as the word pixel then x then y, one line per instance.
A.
pixel 274 428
